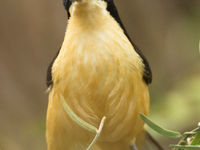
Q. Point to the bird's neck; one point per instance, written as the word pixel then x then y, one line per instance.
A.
pixel 88 13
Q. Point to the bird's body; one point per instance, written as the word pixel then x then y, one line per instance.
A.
pixel 99 73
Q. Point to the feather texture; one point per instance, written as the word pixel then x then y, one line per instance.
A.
pixel 99 74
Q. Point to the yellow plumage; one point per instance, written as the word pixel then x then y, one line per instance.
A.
pixel 99 74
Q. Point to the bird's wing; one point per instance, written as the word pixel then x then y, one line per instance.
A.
pixel 49 81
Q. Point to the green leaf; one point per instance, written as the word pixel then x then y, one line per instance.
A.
pixel 162 131
pixel 186 146
pixel 77 119
pixel 196 140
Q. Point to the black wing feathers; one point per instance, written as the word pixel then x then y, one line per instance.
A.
pixel 147 76
pixel 49 80
pixel 67 4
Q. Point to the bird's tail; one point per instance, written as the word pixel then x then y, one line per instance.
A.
pixel 148 143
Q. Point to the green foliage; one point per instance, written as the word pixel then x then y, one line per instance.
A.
pixel 182 147
pixel 165 132
pixel 189 140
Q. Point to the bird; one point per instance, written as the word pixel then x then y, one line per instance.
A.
pixel 99 71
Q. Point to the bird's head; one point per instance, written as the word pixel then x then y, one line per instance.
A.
pixel 91 6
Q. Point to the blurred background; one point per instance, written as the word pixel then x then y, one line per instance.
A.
pixel 31 32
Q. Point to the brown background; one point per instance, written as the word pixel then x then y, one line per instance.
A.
pixel 31 31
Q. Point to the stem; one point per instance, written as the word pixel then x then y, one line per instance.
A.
pixel 98 133
pixel 84 124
